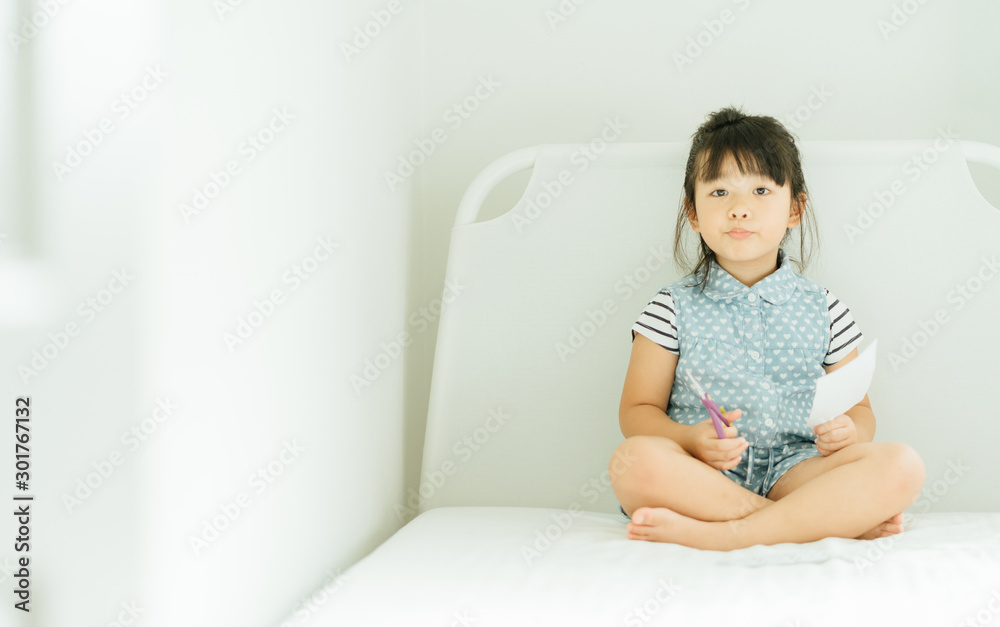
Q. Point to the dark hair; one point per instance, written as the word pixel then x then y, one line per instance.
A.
pixel 761 146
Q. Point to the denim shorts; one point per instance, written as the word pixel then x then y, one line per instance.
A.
pixel 761 467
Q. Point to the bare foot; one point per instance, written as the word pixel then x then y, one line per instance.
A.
pixel 890 527
pixel 659 524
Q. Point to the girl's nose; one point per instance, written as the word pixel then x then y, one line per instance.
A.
pixel 739 212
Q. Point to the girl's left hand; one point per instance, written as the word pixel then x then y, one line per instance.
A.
pixel 835 434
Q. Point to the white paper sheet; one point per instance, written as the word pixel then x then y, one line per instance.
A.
pixel 841 389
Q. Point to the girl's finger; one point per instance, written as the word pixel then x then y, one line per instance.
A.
pixel 725 455
pixel 729 464
pixel 729 448
pixel 837 435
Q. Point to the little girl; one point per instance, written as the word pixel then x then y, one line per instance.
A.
pixel 756 335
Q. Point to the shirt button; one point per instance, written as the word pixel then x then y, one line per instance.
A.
pixel 765 385
pixel 751 297
pixel 754 355
pixel 769 422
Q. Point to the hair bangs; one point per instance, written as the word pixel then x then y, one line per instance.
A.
pixel 752 151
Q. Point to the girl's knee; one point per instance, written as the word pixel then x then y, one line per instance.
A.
pixel 638 456
pixel 904 465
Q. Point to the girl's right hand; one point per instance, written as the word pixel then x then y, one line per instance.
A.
pixel 721 454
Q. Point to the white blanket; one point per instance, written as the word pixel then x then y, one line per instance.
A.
pixel 507 566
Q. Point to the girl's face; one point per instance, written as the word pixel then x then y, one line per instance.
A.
pixel 742 217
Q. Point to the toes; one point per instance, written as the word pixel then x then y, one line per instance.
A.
pixel 650 516
pixel 890 527
pixel 635 533
pixel 641 516
pixel 647 523
pixel 881 531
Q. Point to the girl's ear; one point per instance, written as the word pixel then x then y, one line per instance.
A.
pixel 692 215
pixel 795 216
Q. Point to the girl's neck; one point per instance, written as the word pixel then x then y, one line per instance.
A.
pixel 750 272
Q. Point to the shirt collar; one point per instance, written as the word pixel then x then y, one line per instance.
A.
pixel 775 288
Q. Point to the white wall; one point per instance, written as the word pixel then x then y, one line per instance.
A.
pixel 161 337
pixel 8 131
pixel 288 386
pixel 212 82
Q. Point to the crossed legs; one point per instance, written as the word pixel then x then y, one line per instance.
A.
pixel 856 492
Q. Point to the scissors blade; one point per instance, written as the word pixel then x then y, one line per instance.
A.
pixel 694 383
pixel 710 405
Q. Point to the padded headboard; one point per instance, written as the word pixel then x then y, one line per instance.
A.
pixel 531 355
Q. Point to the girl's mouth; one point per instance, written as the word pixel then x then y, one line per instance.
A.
pixel 739 234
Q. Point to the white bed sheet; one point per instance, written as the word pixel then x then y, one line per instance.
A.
pixel 473 566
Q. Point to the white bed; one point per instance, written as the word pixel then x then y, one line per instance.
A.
pixel 469 563
pixel 523 529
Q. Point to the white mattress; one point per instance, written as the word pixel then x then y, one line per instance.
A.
pixel 468 566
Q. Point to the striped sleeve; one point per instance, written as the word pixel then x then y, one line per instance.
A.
pixel 845 335
pixel 658 322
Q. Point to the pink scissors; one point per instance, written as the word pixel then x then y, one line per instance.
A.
pixel 713 410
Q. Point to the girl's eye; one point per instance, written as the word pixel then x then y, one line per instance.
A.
pixel 723 192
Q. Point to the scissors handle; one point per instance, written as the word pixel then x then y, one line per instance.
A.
pixel 717 419
pixel 712 407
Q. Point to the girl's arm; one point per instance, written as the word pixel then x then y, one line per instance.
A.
pixel 648 383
